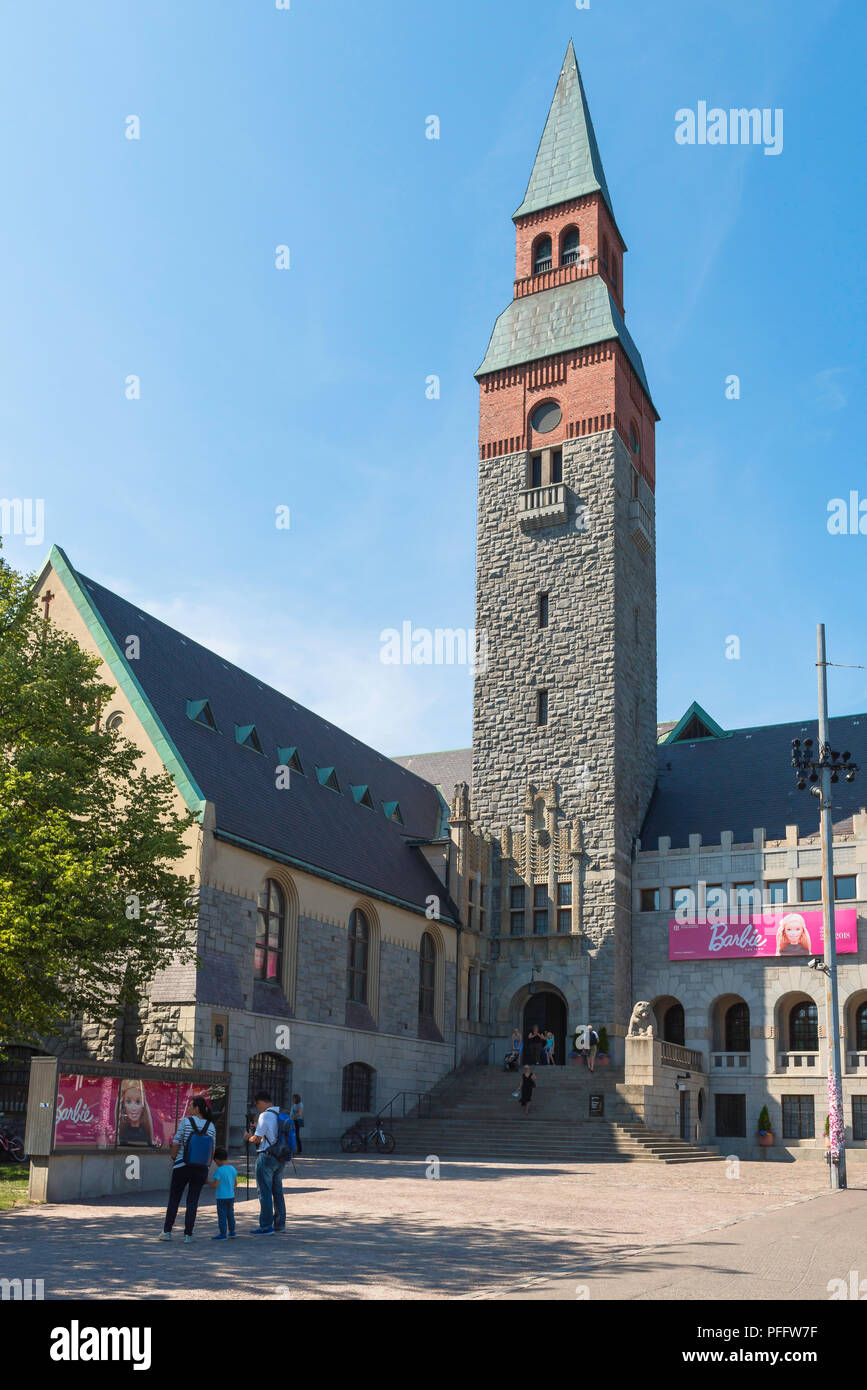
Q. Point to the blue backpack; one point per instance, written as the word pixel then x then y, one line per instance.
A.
pixel 199 1146
pixel 286 1142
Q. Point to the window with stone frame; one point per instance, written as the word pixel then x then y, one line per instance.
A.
pixel 542 611
pixel 357 1087
pixel 535 470
pixel 427 970
pixel 516 909
pixel 270 934
pixel 776 892
pixel 844 887
pixel 799 1117
pixel 861 1028
pixel 737 1028
pixel 804 1027
pixel 556 465
pixel 358 957
pixel 541 708
pixel 564 907
pixel 540 909
pixel 810 890
pixel 649 900
pixel 859 1117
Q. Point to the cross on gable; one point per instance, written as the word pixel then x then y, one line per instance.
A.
pixel 46 599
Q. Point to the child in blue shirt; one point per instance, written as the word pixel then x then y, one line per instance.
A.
pixel 225 1181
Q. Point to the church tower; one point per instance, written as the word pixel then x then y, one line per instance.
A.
pixel 564 742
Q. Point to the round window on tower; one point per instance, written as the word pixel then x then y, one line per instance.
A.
pixel 634 441
pixel 546 417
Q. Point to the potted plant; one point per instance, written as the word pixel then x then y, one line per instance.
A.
pixel 604 1049
pixel 766 1134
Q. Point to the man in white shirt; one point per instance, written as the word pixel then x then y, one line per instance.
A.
pixel 269 1171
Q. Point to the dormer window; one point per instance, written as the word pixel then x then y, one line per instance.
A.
pixel 328 778
pixel 246 735
pixel 201 713
pixel 392 811
pixel 289 758
pixel 362 796
pixel 542 257
pixel 571 247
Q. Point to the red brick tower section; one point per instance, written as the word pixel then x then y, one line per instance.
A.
pixel 595 385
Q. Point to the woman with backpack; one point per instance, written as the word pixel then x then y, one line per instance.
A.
pixel 192 1150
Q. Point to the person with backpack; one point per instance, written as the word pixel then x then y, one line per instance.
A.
pixel 274 1137
pixel 192 1150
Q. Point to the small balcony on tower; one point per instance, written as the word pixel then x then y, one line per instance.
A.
pixel 542 506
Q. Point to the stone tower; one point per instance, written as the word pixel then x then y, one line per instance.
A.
pixel 564 743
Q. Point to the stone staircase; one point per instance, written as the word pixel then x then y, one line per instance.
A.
pixel 473 1117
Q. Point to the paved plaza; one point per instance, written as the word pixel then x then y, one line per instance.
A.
pixel 365 1228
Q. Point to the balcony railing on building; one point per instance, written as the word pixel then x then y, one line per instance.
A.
pixel 543 506
pixel 857 1062
pixel 730 1061
pixel 642 525
pixel 798 1061
pixel 673 1055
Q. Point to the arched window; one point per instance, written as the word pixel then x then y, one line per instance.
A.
pixel 357 1087
pixel 737 1028
pixel 427 973
pixel 357 963
pixel 634 438
pixel 270 933
pixel 267 1072
pixel 672 1027
pixel 861 1028
pixel 570 247
pixel 804 1028
pixel 542 255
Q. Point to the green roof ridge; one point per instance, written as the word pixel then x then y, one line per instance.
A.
pixel 568 164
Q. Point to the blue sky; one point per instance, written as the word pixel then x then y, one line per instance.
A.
pixel 306 387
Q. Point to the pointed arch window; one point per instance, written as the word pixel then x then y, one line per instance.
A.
pixel 542 255
pixel 358 957
pixel 427 968
pixel 570 251
pixel 270 934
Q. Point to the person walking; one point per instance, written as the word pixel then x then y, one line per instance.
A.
pixel 269 1170
pixel 593 1038
pixel 297 1113
pixel 224 1182
pixel 191 1152
pixel 528 1083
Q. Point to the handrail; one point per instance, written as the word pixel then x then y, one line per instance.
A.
pixel 422 1109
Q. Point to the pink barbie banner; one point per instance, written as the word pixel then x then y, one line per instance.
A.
pixel 765 934
pixel 104 1112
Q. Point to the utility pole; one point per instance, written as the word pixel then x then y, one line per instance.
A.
pixel 836 1130
pixel 824 771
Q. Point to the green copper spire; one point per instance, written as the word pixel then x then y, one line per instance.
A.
pixel 567 162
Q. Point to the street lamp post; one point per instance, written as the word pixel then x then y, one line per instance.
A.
pixel 822 768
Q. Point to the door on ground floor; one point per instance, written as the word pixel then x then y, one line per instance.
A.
pixel 684 1115
pixel 547 1011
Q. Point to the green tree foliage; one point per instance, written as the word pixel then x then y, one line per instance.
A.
pixel 90 906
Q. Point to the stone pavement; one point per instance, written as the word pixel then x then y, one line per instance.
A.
pixel 375 1228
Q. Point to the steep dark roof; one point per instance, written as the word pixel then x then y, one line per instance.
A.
pixel 444 770
pixel 745 781
pixel 308 823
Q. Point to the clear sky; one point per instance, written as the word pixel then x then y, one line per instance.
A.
pixel 305 387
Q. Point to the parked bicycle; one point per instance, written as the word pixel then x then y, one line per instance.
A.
pixel 12 1145
pixel 359 1136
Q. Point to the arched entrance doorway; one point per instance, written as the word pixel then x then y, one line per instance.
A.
pixel 271 1073
pixel 548 1011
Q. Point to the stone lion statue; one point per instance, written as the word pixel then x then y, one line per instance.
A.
pixel 642 1020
